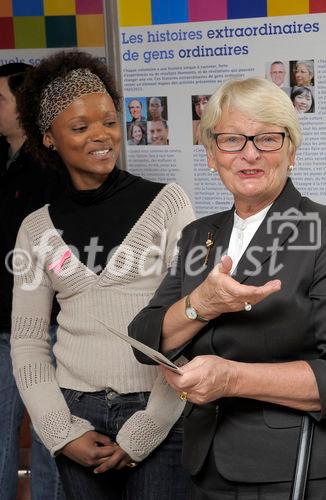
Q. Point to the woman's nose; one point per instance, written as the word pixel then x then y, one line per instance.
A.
pixel 99 133
pixel 250 151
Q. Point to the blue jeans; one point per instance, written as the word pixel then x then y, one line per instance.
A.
pixel 45 482
pixel 159 477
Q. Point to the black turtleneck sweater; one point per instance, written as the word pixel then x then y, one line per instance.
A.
pixel 105 214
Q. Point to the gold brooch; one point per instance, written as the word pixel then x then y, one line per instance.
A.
pixel 209 245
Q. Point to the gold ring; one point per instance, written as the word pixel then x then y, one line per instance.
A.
pixel 247 306
pixel 131 464
pixel 183 396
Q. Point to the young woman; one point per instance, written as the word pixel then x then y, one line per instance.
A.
pixel 137 134
pixel 103 248
pixel 303 99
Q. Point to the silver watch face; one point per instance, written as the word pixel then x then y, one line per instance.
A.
pixel 191 313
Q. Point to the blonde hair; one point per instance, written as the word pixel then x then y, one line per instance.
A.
pixel 259 99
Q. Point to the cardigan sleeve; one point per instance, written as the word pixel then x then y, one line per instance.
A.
pixel 148 323
pixel 30 350
pixel 145 430
pixel 182 216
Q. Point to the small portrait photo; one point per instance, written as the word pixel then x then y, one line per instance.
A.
pixel 137 133
pixel 303 99
pixel 136 109
pixel 198 103
pixel 302 73
pixel 157 108
pixel 157 133
pixel 278 72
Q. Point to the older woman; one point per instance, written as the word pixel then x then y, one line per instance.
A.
pixel 303 99
pixel 303 73
pixel 103 248
pixel 252 323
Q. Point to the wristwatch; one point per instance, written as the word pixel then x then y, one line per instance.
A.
pixel 191 312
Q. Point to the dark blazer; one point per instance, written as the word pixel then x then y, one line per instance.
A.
pixel 255 441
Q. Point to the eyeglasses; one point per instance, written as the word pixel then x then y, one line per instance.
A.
pixel 232 143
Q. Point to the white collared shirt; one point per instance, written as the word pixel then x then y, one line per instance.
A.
pixel 242 233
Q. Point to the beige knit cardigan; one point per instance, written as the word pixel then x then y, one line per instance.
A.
pixel 88 357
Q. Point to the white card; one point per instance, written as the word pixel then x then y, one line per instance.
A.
pixel 151 353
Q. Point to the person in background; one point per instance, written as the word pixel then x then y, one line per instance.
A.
pixel 277 73
pixel 24 187
pixel 104 247
pixel 155 109
pixel 246 304
pixel 198 105
pixel 303 99
pixel 158 133
pixel 303 73
pixel 137 134
pixel 135 109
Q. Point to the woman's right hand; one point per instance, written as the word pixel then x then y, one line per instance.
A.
pixel 220 293
pixel 90 449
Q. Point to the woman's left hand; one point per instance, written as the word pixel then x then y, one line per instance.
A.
pixel 204 379
pixel 118 460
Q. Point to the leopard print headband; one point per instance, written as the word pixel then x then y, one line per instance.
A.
pixel 62 91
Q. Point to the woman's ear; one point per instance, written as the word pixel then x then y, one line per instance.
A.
pixel 211 161
pixel 48 141
pixel 292 158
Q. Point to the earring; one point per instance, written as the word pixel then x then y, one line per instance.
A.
pixel 51 147
pixel 290 169
pixel 212 169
